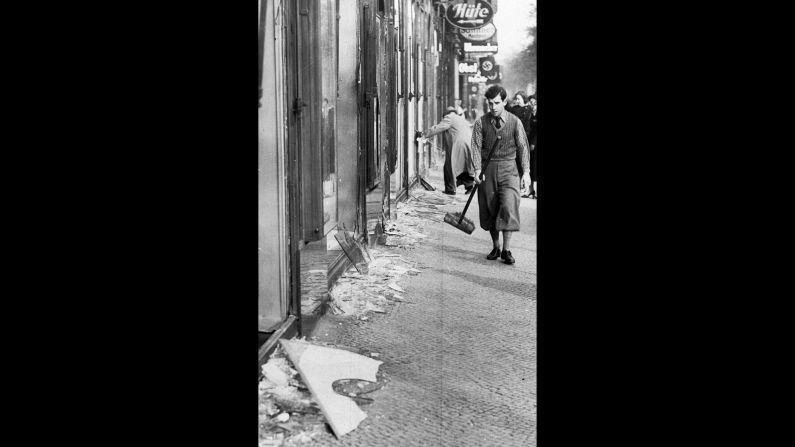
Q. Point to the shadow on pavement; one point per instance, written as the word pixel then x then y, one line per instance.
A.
pixel 518 288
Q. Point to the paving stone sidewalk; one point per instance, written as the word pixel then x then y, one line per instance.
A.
pixel 460 359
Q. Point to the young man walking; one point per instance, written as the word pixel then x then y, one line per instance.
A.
pixel 498 193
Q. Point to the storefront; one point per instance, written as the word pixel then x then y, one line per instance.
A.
pixel 344 85
pixel 274 168
pixel 308 170
pixel 298 175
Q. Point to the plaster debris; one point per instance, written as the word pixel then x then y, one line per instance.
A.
pixel 289 415
pixel 286 410
pixel 320 367
pixel 277 371
pixel 275 441
pixel 283 417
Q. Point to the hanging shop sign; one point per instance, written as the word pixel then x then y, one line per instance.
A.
pixel 468 14
pixel 495 77
pixel 487 48
pixel 476 56
pixel 477 78
pixel 467 67
pixel 487 65
pixel 481 34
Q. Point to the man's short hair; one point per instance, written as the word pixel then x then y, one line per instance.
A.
pixel 492 92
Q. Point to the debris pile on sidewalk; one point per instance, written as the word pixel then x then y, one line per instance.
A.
pixel 360 294
pixel 414 215
pixel 374 289
pixel 320 367
pixel 289 414
pixel 423 206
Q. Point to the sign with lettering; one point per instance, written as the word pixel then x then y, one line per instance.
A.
pixel 467 67
pixel 481 34
pixel 469 14
pixel 477 56
pixel 488 48
pixel 477 79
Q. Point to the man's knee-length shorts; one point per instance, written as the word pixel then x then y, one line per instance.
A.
pixel 498 197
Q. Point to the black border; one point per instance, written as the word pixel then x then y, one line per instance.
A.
pixel 155 120
pixel 656 180
pixel 645 274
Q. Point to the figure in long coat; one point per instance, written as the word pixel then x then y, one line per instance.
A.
pixel 459 168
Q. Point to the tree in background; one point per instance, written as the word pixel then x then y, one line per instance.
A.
pixel 519 72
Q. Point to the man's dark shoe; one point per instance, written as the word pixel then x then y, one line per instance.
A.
pixel 495 253
pixel 506 255
pixel 450 193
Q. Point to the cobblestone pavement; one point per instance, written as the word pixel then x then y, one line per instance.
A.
pixel 460 358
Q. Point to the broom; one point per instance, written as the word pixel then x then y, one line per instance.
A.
pixel 458 220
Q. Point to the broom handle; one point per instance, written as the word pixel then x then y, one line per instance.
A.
pixel 485 165
pixel 472 194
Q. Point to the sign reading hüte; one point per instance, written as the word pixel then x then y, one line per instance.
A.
pixel 468 14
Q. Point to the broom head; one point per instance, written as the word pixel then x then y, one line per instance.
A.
pixel 466 225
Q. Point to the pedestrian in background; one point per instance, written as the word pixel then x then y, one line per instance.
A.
pixel 522 109
pixel 458 164
pixel 532 138
pixel 498 193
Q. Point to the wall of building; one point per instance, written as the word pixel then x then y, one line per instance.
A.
pixel 347 114
pixel 272 294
